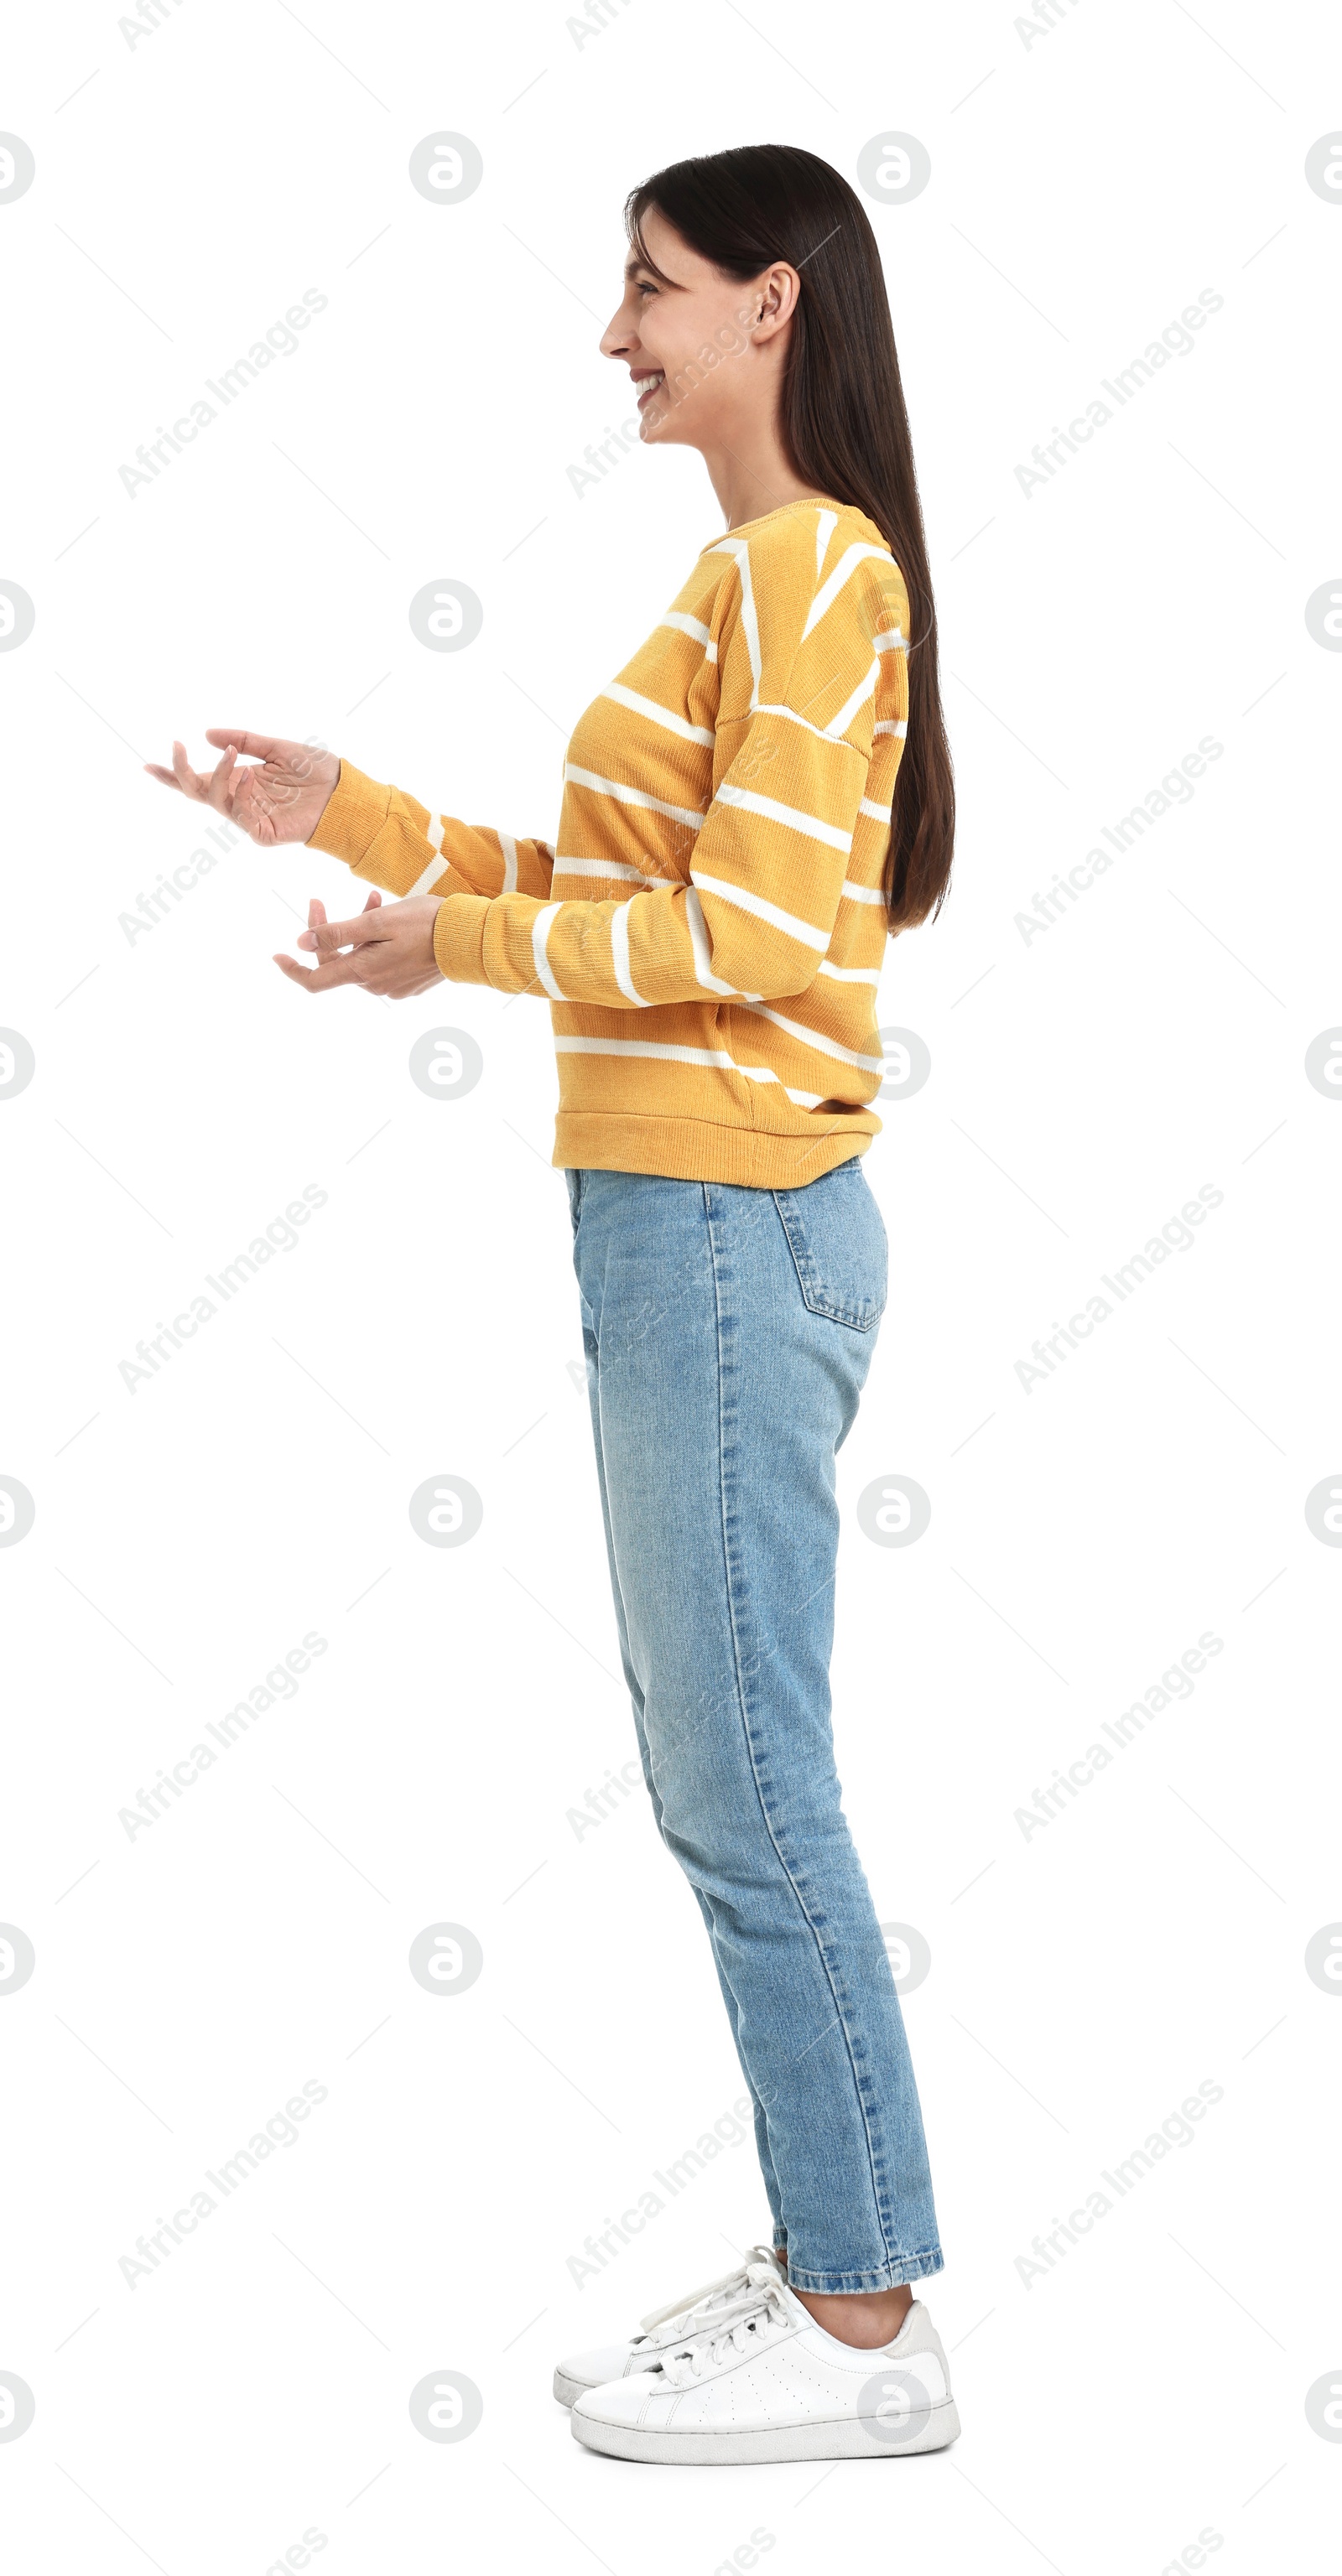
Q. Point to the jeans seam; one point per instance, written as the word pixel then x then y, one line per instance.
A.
pixel 803 1908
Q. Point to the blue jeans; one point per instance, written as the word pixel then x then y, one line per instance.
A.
pixel 728 1334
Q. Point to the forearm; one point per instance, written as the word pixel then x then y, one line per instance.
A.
pixel 675 945
pixel 393 841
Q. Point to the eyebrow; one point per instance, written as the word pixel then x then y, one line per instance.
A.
pixel 639 260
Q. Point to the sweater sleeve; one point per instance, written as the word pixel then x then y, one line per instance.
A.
pixel 384 835
pixel 798 663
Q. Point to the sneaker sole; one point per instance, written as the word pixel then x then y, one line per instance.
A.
pixel 568 2390
pixel 934 2429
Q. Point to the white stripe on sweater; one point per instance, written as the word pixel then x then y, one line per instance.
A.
pixel 688 625
pixel 509 848
pixel 703 955
pixel 829 591
pixel 765 1073
pixel 850 974
pixel 811 825
pixel 427 877
pixel 656 714
pixel 618 869
pixel 812 1038
pixel 715 1057
pixel 862 894
pixel 739 551
pixel 826 521
pixel 540 932
pixel 758 904
pixel 631 795
pixel 619 956
pixel 823 733
pixel 437 865
pixel 840 723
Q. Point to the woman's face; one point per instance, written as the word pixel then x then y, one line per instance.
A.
pixel 697 344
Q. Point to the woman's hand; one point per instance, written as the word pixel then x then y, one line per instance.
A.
pixel 283 800
pixel 387 948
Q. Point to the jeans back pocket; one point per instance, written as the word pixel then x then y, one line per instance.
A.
pixel 838 1245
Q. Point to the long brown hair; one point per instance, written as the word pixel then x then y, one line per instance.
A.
pixel 843 423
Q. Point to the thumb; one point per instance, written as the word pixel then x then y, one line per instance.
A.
pixel 329 936
pixel 317 918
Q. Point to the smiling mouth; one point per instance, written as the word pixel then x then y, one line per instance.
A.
pixel 647 386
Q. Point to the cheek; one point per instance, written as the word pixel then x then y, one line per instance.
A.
pixel 656 334
pixel 673 331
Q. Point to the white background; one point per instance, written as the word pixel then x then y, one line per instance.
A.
pixel 1086 185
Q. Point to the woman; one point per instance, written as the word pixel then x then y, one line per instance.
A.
pixel 710 938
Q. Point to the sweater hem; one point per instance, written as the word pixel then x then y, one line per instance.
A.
pixel 693 1149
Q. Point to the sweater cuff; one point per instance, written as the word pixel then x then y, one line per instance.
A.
pixel 352 817
pixel 459 938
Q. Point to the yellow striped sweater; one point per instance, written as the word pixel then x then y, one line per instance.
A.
pixel 709 928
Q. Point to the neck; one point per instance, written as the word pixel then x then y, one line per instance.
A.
pixel 753 476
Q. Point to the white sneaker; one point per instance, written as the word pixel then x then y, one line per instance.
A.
pixel 715 2299
pixel 765 2382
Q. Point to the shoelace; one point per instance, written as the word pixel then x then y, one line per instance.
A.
pixel 671 2323
pixel 760 2308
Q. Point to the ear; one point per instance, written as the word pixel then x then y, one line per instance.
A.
pixel 778 294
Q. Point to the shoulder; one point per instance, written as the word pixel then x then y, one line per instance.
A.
pixel 788 545
pixel 859 576
pixel 766 552
pixel 813 583
pixel 817 559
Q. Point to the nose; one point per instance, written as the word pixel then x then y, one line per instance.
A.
pixel 619 337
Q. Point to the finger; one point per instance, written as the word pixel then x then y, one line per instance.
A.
pixel 186 777
pixel 328 936
pixel 219 785
pixel 165 776
pixel 316 916
pixel 257 746
pixel 337 970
